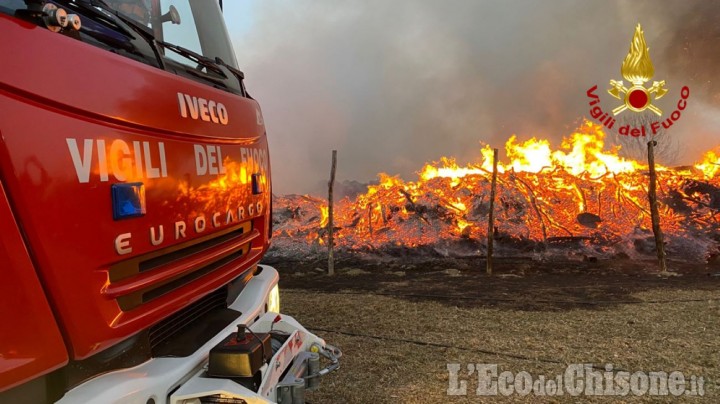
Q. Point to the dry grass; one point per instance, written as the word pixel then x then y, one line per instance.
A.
pixel 635 337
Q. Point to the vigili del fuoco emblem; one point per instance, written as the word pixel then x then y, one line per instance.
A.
pixel 637 69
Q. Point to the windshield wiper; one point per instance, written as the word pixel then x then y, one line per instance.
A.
pixel 193 56
pixel 236 72
pixel 216 65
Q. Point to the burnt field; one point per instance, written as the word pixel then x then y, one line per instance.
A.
pixel 400 322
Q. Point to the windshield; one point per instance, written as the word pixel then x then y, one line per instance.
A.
pixel 185 37
pixel 195 25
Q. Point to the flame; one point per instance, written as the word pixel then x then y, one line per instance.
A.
pixel 581 189
pixel 582 153
pixel 450 169
pixel 462 224
pixel 710 164
pixel 324 216
pixel 637 67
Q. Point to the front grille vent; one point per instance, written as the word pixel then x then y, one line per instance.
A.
pixel 170 326
pixel 144 278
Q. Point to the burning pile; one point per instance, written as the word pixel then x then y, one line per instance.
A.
pixel 580 193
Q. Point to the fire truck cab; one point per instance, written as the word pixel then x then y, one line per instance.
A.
pixel 135 206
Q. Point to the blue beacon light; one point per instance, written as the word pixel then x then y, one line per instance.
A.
pixel 128 200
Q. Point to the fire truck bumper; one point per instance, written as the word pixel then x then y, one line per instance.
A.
pixel 297 364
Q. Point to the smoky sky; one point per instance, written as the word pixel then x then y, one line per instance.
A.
pixel 394 84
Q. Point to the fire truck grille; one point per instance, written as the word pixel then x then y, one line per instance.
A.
pixel 145 278
pixel 163 337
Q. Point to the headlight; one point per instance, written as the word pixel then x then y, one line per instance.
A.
pixel 273 302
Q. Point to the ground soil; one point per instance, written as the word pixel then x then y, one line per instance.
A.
pixel 401 324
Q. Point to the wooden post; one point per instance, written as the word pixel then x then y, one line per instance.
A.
pixel 491 215
pixel 654 213
pixel 331 243
pixel 370 207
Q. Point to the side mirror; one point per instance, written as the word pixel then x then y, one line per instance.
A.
pixel 172 15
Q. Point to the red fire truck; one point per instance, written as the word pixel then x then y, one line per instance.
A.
pixel 134 210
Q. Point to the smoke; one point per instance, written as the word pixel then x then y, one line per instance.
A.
pixel 394 84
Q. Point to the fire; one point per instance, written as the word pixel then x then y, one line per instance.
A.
pixel 710 164
pixel 581 153
pixel 582 190
pixel 531 156
pixel 324 216
pixel 450 169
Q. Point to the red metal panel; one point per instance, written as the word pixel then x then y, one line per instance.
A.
pixel 30 342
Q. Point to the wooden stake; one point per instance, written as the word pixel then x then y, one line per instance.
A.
pixel 370 229
pixel 654 213
pixel 491 216
pixel 331 243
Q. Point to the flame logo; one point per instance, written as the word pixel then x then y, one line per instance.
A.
pixel 637 67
